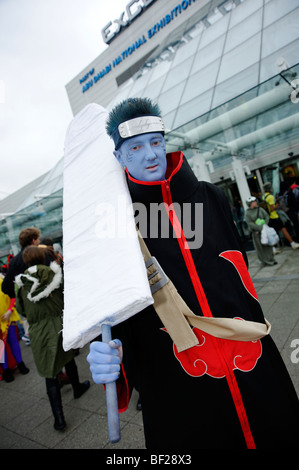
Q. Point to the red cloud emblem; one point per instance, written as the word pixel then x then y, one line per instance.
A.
pixel 204 358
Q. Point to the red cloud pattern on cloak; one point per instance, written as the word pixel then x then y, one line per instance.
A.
pixel 204 358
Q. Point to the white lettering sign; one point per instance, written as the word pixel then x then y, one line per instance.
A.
pixel 133 9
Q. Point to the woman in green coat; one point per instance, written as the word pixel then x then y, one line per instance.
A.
pixel 39 298
pixel 256 217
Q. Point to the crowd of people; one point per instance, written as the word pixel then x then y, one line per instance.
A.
pixel 281 212
pixel 32 294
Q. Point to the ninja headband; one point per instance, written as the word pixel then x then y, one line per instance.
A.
pixel 137 126
pixel 132 117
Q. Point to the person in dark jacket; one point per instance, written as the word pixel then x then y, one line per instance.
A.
pixel 223 392
pixel 27 237
pixel 39 297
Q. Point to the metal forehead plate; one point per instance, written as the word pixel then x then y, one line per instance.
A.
pixel 141 125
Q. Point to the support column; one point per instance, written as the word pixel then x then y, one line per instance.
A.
pixel 260 180
pixel 241 180
pixel 200 167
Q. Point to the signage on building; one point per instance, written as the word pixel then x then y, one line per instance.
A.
pixel 133 9
pixel 91 77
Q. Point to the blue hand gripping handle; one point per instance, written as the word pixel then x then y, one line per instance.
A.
pixel 111 397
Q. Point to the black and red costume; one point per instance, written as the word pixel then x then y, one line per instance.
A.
pixel 221 393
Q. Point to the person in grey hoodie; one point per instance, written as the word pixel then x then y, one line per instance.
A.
pixel 256 217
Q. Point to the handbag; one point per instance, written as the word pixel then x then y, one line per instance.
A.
pixel 269 236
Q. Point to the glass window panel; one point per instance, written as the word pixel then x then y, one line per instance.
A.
pixel 153 89
pixel 214 31
pixel 195 30
pixel 178 74
pixel 160 69
pixel 243 31
pixel 240 58
pixel 214 16
pixel 140 82
pixel 281 33
pixel 207 55
pixel 193 109
pixel 276 9
pixel 168 121
pixel 200 82
pixel 122 94
pixel 228 105
pixel 269 66
pixel 276 114
pixel 236 85
pixel 244 10
pixel 170 99
pixel 185 51
pixel 227 6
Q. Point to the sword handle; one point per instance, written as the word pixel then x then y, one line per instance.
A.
pixel 111 397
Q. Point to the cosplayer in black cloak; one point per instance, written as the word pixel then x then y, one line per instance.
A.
pixel 221 393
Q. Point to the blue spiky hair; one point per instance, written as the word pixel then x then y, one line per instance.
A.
pixel 125 111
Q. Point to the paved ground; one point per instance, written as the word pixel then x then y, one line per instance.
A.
pixel 26 420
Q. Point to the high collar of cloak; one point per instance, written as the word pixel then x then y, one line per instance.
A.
pixel 40 280
pixel 179 176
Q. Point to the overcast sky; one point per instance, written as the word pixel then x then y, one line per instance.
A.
pixel 43 45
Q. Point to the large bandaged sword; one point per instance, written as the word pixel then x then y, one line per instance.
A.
pixel 105 279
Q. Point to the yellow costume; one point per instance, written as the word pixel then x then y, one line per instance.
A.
pixel 5 304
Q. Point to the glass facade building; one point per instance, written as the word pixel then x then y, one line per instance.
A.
pixel 226 76
pixel 234 48
pixel 37 205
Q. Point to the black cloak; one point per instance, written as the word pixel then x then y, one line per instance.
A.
pixel 221 394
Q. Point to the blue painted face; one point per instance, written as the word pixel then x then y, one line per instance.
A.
pixel 144 156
